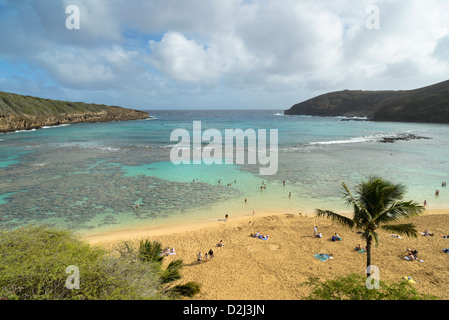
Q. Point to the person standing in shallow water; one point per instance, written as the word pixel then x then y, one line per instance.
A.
pixel 226 217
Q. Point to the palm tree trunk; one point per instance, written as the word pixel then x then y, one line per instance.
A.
pixel 368 254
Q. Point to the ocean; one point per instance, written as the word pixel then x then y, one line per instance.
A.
pixel 93 177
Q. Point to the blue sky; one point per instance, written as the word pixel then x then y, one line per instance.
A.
pixel 210 54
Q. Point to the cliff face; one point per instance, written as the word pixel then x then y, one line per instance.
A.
pixel 19 112
pixel 427 104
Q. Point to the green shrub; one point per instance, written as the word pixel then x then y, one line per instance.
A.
pixel 33 264
pixel 353 287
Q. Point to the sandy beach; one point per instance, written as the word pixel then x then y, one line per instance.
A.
pixel 247 268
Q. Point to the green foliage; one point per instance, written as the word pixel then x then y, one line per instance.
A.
pixel 18 104
pixel 33 264
pixel 353 287
pixel 377 203
pixel 188 289
pixel 427 104
pixel 150 251
pixel 172 272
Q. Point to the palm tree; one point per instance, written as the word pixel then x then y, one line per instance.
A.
pixel 377 202
pixel 150 252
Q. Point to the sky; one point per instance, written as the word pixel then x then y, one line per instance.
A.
pixel 219 54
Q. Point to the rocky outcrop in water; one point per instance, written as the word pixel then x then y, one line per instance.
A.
pixel 402 137
pixel 19 112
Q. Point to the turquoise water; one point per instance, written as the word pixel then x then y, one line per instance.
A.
pixel 87 177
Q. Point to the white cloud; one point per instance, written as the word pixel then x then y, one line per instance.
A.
pixel 185 60
pixel 232 49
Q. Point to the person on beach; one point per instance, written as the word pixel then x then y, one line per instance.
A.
pixel 199 257
pixel 211 253
pixel 425 203
pixel 220 244
pixel 319 235
pixel 206 256
pixel 226 217
pixel 412 254
pixel 315 231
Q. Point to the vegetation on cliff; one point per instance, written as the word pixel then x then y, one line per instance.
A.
pixel 42 263
pixel 427 104
pixel 18 112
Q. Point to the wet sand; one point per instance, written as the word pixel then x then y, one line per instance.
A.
pixel 247 268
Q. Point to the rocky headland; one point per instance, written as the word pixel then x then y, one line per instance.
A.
pixel 19 112
pixel 427 104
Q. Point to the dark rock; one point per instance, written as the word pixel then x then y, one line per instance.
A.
pixel 427 104
pixel 401 137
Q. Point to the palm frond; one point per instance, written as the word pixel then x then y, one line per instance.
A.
pixel 150 251
pixel 345 221
pixel 361 212
pixel 172 272
pixel 350 201
pixel 188 289
pixel 371 233
pixel 401 210
pixel 362 216
pixel 377 194
pixel 406 229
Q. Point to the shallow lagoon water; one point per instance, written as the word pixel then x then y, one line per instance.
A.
pixel 87 177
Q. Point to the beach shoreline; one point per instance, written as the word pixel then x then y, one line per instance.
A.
pixel 140 232
pixel 176 226
pixel 248 268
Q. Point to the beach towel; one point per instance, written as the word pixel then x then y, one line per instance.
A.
pixel 409 279
pixel 361 251
pixel 323 256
